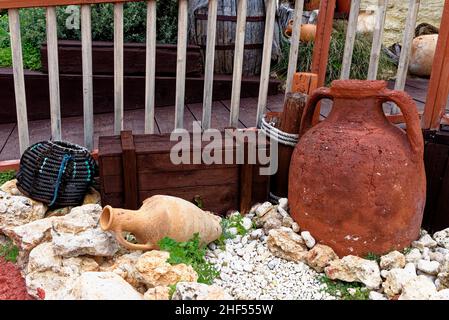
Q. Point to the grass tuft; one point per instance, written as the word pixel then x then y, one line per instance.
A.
pixel 345 290
pixel 9 252
pixel 5 176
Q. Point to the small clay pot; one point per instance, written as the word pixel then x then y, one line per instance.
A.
pixel 308 31
pixel 159 217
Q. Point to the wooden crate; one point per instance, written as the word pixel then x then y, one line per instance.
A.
pixel 436 156
pixel 135 167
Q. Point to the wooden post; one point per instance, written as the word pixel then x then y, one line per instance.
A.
pixel 321 48
pixel 294 45
pixel 129 170
pixel 150 77
pixel 289 123
pixel 350 40
pixel 439 84
pixel 305 82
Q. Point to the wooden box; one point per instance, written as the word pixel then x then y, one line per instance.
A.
pixel 135 167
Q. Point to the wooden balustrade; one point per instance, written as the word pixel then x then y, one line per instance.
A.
pixel 432 117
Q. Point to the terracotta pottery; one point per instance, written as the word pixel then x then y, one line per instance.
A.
pixel 422 55
pixel 159 217
pixel 356 181
pixel 308 31
pixel 343 6
pixel 310 5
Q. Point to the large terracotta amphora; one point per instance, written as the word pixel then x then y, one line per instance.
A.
pixel 357 181
pixel 161 216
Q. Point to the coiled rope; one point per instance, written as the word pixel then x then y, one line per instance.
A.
pixel 288 139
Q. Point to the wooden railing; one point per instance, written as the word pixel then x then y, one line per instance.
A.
pixel 430 119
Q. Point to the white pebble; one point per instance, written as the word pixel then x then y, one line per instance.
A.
pixel 308 239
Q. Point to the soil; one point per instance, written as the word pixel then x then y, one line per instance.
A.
pixel 12 284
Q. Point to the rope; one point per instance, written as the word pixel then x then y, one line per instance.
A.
pixel 62 168
pixel 288 139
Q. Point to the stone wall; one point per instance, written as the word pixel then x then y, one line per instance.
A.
pixel 430 11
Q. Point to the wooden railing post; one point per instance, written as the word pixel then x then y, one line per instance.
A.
pixel 209 65
pixel 377 39
pixel 294 44
pixel 88 96
pixel 238 63
pixel 150 78
pixel 266 59
pixel 118 68
pixel 407 41
pixel 350 40
pixel 53 73
pixel 19 79
pixel 181 64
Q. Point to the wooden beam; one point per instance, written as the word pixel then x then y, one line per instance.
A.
pixel 150 67
pixel 118 68
pixel 322 40
pixel 16 4
pixel 439 84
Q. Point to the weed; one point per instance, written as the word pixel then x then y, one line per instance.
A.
pixel 406 250
pixel 233 221
pixel 171 290
pixel 345 290
pixel 6 176
pixel 373 257
pixel 190 253
pixel 360 58
pixel 9 251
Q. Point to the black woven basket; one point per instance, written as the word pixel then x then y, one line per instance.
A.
pixel 56 173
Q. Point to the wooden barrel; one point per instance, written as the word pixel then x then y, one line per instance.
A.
pixel 225 39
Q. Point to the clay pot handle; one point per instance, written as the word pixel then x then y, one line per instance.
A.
pixel 130 245
pixel 410 113
pixel 307 116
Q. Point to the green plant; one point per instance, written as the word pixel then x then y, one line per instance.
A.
pixel 406 250
pixel 345 290
pixel 233 221
pixel 171 290
pixel 9 251
pixel 360 59
pixel 190 253
pixel 373 257
pixel 6 176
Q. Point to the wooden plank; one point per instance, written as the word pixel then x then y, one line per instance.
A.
pixel 407 41
pixel 305 82
pixel 238 62
pixel 350 40
pixel 266 59
pixel 150 79
pixel 294 45
pixel 15 4
pixel 438 86
pixel 218 198
pixel 209 66
pixel 53 73
pixel 189 178
pixel 118 67
pixel 165 118
pixel 5 131
pixel 377 39
pixel 181 64
pixel 130 170
pixel 219 115
pixel 248 111
pixel 441 218
pixel 19 79
pixel 88 108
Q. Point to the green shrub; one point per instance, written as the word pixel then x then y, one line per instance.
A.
pixel 342 290
pixel 6 176
pixel 190 253
pixel 9 252
pixel 360 58
pixel 233 221
pixel 33 28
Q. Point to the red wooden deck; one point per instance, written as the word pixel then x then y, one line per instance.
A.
pixel 72 128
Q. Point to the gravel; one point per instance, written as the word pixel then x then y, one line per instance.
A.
pixel 249 271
